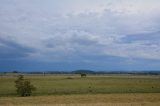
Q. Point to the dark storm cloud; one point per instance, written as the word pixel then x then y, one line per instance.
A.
pixel 9 49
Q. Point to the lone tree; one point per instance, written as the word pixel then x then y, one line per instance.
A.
pixel 24 87
pixel 83 75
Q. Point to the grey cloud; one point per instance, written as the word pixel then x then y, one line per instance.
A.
pixel 74 40
pixel 65 34
pixel 153 37
pixel 12 50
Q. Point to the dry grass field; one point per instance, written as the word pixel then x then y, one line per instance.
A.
pixel 132 99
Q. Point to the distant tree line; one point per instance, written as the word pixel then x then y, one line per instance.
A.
pixel 87 72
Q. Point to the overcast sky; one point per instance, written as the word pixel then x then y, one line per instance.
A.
pixel 79 34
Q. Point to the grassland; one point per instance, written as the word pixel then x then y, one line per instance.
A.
pixel 74 84
pixel 72 90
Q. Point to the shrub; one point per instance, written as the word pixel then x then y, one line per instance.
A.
pixel 24 87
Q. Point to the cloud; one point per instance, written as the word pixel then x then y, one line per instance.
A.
pixel 12 50
pixel 62 33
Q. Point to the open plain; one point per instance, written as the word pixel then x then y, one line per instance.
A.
pixel 94 90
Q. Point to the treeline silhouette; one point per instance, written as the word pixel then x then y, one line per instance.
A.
pixel 87 72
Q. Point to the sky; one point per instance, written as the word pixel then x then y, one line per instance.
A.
pixel 67 35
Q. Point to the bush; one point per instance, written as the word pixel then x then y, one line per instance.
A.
pixel 24 87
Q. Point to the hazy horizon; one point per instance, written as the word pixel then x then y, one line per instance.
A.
pixel 79 34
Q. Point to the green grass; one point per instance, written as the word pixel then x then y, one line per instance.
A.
pixel 73 84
